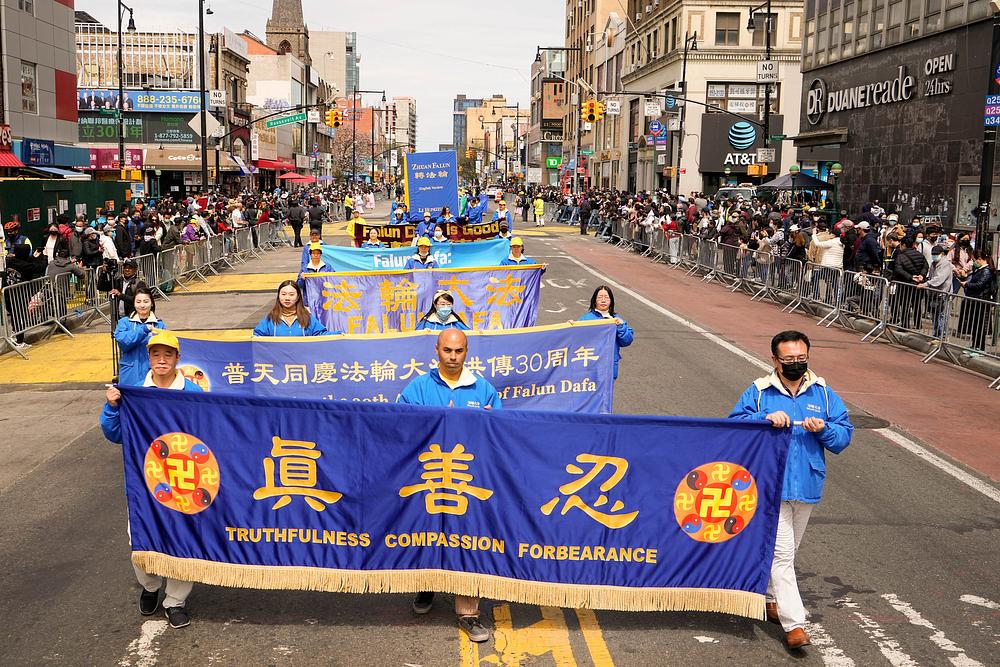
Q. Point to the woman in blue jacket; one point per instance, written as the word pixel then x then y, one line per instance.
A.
pixel 315 265
pixel 131 334
pixel 290 317
pixel 602 307
pixel 442 314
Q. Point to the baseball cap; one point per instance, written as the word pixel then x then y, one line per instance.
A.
pixel 427 215
pixel 162 337
pixel 863 225
pixel 316 246
pixel 793 228
pixel 517 241
pixel 424 241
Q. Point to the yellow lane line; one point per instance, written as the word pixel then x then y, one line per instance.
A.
pixel 599 652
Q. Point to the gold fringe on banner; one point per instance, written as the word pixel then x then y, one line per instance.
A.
pixel 618 598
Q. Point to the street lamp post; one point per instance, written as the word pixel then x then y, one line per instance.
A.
pixel 793 171
pixel 690 44
pixel 989 140
pixel 202 93
pixel 836 169
pixel 767 56
pixel 122 8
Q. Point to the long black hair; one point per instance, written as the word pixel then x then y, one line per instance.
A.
pixel 447 297
pixel 611 296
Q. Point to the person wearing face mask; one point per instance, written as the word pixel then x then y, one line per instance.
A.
pixel 423 259
pixel 961 260
pixel 442 315
pixel 602 307
pixel 439 236
pixel 425 228
pixel 981 284
pixel 132 333
pixel 794 397
pixel 52 242
pixel 939 278
pixel 922 245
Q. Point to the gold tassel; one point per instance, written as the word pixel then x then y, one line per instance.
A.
pixel 268 577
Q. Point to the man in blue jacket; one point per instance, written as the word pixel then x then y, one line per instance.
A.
pixel 794 397
pixel 449 385
pixel 477 207
pixel 164 353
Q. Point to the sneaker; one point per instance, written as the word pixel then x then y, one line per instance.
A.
pixel 423 602
pixel 148 601
pixel 471 626
pixel 22 346
pixel 177 616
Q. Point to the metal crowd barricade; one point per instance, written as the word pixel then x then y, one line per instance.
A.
pixel 728 268
pixel 865 298
pixel 756 269
pixel 781 278
pixel 242 243
pixel 690 246
pixel 907 310
pixel 970 330
pixel 616 231
pixel 189 259
pixel 255 242
pixel 670 250
pixel 149 272
pixel 708 251
pixel 652 241
pixel 218 251
pixel 821 291
pixel 167 261
pixel 31 304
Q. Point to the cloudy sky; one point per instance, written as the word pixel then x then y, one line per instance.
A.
pixel 431 50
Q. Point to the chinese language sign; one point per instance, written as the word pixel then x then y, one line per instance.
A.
pixel 500 298
pixel 464 255
pixel 602 511
pixel 563 367
pixel 431 182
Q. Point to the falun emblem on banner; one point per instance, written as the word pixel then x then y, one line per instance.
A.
pixel 181 472
pixel 715 501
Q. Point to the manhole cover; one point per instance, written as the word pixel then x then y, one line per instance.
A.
pixel 863 420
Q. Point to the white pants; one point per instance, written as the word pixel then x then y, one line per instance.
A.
pixel 783 588
pixel 176 590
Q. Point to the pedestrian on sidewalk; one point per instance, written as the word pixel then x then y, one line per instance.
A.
pixel 794 397
pixel 164 353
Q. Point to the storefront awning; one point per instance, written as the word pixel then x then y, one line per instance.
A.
pixel 8 159
pixel 56 172
pixel 244 169
pixel 276 165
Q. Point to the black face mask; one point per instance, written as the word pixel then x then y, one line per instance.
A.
pixel 794 370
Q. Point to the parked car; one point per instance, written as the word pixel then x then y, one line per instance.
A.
pixel 744 191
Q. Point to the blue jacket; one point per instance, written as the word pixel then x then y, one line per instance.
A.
pixel 472 392
pixel 414 263
pixel 111 417
pixel 131 337
pixel 267 327
pixel 507 217
pixel 623 336
pixel 324 268
pixel 805 468
pixel 432 323
pixel 369 244
pixel 442 220
pixel 305 257
pixel 510 261
pixel 476 213
pixel 442 241
pixel 426 228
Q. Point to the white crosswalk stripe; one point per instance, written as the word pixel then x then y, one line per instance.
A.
pixel 937 637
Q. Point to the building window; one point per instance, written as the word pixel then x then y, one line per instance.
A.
pixel 673 34
pixel 26 6
pixel 29 92
pixel 977 9
pixel 727 29
pixel 759 23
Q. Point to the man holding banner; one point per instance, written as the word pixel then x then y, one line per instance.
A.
pixel 794 397
pixel 450 385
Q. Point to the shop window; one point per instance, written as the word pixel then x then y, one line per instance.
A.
pixel 895 14
pixel 26 6
pixel 912 30
pixel 878 26
pixel 912 10
pixel 727 29
pixel 863 22
pixel 861 46
pixel 892 36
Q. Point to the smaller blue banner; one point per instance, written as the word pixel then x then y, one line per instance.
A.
pixel 454 255
pixel 431 182
pixel 38 151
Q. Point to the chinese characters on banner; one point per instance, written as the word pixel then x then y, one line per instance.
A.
pixel 602 511
pixel 431 182
pixel 491 299
pixel 562 367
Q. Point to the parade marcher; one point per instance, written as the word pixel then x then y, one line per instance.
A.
pixel 425 228
pixel 373 240
pixel 793 396
pixel 439 236
pixel 502 214
pixel 314 237
pixel 505 232
pixel 602 307
pixel 441 314
pixel 423 258
pixel 356 219
pixel 516 255
pixel 316 216
pixel 348 205
pixel 477 207
pixel 131 334
pixel 451 384
pixel 289 316
pixel 164 352
pixel 315 264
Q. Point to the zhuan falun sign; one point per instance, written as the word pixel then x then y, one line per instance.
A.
pixel 485 298
pixel 601 511
pixel 431 182
pixel 565 367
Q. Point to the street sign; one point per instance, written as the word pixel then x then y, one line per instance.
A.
pixel 286 120
pixel 662 133
pixel 655 126
pixel 553 162
pixel 586 151
pixel 778 137
pixel 765 155
pixel 313 115
pixel 216 98
pixel 991 112
pixel 652 109
pixel 670 101
pixel 211 124
pixel 674 124
pixel 613 107
pixel 767 71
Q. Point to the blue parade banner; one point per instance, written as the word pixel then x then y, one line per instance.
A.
pixel 485 298
pixel 599 511
pixel 456 255
pixel 565 367
pixel 431 182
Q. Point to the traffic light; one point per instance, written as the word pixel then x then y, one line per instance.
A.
pixel 588 111
pixel 599 109
pixel 469 154
pixel 334 117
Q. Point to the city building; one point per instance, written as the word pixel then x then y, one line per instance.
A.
pixel 405 112
pixel 707 52
pixel 545 126
pixel 461 104
pixel 39 110
pixel 334 59
pixel 610 157
pixel 497 130
pixel 894 92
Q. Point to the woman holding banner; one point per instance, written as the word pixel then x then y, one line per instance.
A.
pixel 602 307
pixel 373 240
pixel 445 216
pixel 315 264
pixel 423 259
pixel 289 316
pixel 442 314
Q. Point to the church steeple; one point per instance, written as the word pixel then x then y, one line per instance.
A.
pixel 286 29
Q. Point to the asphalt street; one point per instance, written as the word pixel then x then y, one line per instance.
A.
pixel 898 567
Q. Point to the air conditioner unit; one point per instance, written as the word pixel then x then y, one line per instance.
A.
pixel 589 48
pixel 649 8
pixel 638 16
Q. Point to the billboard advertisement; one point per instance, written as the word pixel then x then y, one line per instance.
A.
pixel 177 101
